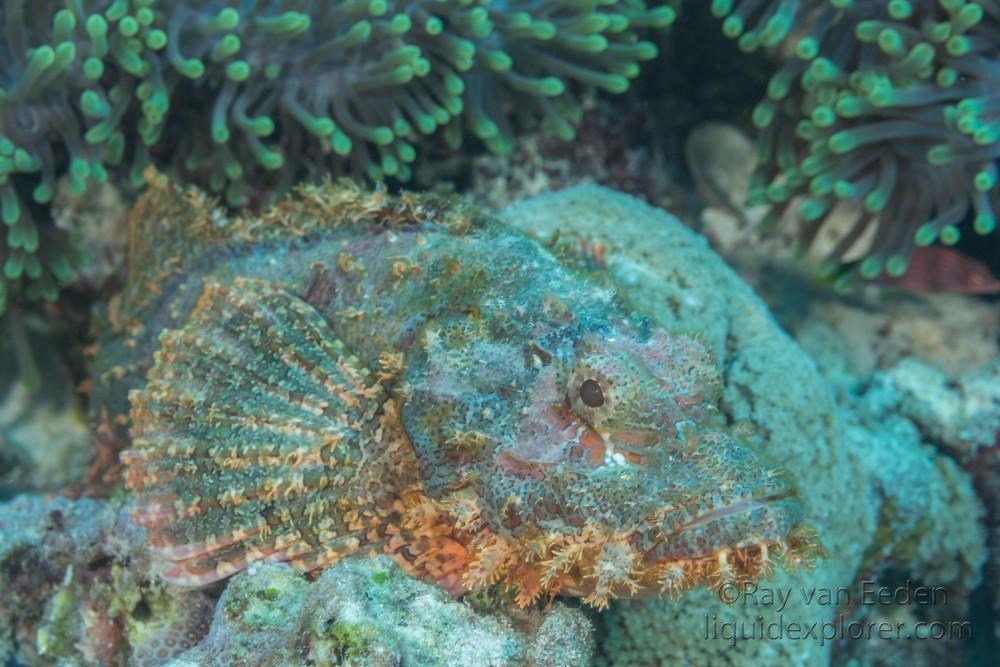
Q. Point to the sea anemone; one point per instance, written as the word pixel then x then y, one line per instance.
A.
pixel 235 93
pixel 353 86
pixel 885 116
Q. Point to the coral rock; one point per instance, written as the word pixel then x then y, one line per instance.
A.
pixel 367 612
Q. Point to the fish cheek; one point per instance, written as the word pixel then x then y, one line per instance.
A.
pixel 548 430
pixel 532 478
pixel 458 396
pixel 520 497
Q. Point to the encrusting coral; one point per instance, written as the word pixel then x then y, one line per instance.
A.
pixel 884 116
pixel 230 88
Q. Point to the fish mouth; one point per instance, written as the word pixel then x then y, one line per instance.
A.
pixel 746 506
pixel 736 542
pixel 741 540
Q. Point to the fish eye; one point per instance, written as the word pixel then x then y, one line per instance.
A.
pixel 591 393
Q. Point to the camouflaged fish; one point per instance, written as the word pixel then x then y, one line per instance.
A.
pixel 355 372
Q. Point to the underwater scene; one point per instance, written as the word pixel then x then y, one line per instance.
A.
pixel 484 333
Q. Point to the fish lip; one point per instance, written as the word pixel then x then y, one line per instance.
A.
pixel 641 438
pixel 742 506
pixel 661 552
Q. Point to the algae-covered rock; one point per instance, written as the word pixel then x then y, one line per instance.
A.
pixel 77 587
pixel 565 639
pixel 960 414
pixel 368 612
pixel 790 413
pixel 46 549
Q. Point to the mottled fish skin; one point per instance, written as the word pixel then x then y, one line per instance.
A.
pixel 351 371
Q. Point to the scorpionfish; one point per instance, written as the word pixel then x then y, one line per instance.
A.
pixel 349 371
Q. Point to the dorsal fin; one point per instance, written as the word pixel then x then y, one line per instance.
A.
pixel 167 225
pixel 170 225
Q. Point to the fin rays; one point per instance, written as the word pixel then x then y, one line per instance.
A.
pixel 248 435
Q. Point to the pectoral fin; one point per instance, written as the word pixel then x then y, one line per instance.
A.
pixel 250 436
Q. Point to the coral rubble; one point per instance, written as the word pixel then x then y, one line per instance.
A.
pixel 76 588
pixel 369 613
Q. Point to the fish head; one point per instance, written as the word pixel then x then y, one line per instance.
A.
pixel 619 457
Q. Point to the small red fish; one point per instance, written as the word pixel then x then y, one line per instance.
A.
pixel 942 269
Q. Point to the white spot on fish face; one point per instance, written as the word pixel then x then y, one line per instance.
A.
pixel 613 458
